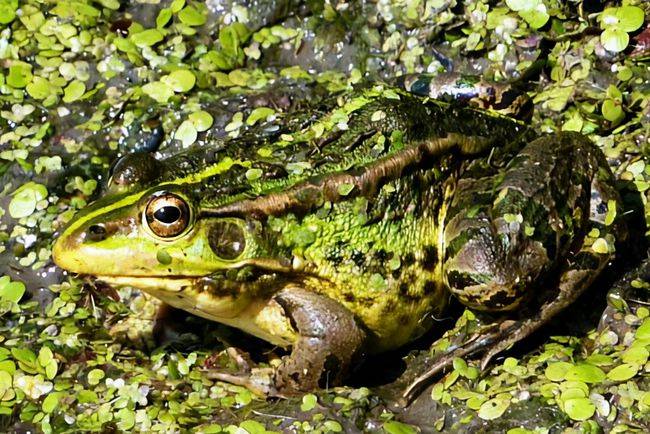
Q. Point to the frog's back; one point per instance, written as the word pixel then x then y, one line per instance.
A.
pixel 366 128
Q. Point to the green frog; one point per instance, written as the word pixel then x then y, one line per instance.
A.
pixel 344 230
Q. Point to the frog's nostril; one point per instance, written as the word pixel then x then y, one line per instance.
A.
pixel 96 232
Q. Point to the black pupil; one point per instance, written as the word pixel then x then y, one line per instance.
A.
pixel 167 214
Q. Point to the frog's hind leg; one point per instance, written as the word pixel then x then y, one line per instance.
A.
pixel 546 214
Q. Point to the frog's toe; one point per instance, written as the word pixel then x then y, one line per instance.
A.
pixel 257 380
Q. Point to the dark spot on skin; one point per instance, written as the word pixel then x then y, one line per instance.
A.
pixel 429 287
pixel 389 306
pixel 334 256
pixel 404 319
pixel 396 274
pixel 404 288
pixel 430 257
pixel 499 300
pixel 349 297
pixel 358 258
pixel 408 259
pixel 507 98
pixel 458 280
pixel 381 255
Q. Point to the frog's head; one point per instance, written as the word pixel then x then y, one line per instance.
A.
pixel 150 232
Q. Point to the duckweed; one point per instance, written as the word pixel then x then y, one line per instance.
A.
pixel 75 75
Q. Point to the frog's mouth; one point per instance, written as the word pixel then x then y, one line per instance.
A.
pixel 147 283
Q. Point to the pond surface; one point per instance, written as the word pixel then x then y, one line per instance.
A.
pixel 83 82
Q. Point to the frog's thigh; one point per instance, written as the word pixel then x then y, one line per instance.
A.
pixel 328 341
pixel 505 231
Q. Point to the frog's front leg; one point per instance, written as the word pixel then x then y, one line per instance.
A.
pixel 527 233
pixel 328 341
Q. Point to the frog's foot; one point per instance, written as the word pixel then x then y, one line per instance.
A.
pixel 135 332
pixel 257 380
pixel 501 335
pixel 327 342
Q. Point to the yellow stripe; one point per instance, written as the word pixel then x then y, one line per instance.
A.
pixel 222 166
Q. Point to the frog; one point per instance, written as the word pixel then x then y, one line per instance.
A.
pixel 346 230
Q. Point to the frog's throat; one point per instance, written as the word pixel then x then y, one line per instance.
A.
pixel 240 309
pixel 186 293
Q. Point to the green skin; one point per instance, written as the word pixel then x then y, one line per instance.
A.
pixel 339 242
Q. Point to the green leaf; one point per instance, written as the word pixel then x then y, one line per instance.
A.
pixel 536 17
pixel 6 383
pixel 147 38
pixel 74 91
pixel 253 427
pixel 579 408
pixel 614 39
pixel 163 17
pixel 186 133
pixel 612 110
pixel 25 199
pixel 635 355
pixel 51 402
pixel 95 376
pixel 24 355
pixel 608 18
pixel 202 120
pixel 12 291
pixel 395 427
pixel 643 332
pixel 309 401
pixel 8 11
pixel 521 5
pixel 20 74
pixel 110 4
pixel 87 396
pixel 229 40
pixel 600 246
pixel 493 408
pixel 191 16
pixel 557 371
pixel 253 174
pixel 180 80
pixel 8 366
pixel 176 5
pixel 585 373
pixel 126 419
pixel 159 91
pixel 39 88
pixel 630 18
pixel 259 113
pixel 623 372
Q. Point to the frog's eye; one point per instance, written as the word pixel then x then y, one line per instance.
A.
pixel 227 239
pixel 167 215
